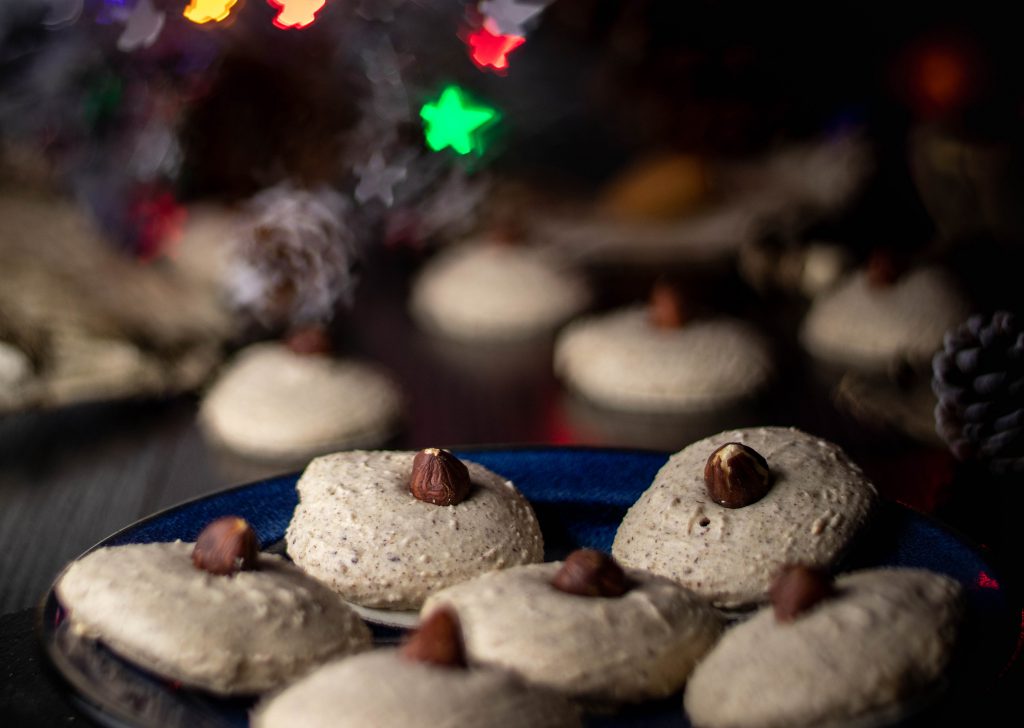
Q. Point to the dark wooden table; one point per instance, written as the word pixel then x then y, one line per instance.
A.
pixel 69 478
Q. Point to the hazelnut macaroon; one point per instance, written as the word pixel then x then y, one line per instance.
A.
pixel 424 683
pixel 658 358
pixel 724 513
pixel 289 401
pixel 857 652
pixel 217 615
pixel 584 627
pixel 496 292
pixel 881 317
pixel 387 529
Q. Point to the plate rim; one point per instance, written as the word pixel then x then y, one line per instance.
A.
pixel 86 702
pixel 297 473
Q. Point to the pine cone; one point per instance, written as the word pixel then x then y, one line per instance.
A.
pixel 979 380
pixel 295 258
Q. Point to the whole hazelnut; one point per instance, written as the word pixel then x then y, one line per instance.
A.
pixel 309 340
pixel 438 641
pixel 590 573
pixel 797 588
pixel 736 475
pixel 882 269
pixel 439 477
pixel 665 308
pixel 226 546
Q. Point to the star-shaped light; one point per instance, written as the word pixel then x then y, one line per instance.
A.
pixel 142 27
pixel 377 179
pixel 296 13
pixel 453 121
pixel 490 47
pixel 510 17
pixel 387 105
pixel 204 11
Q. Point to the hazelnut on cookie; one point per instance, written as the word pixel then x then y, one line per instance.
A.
pixel 584 627
pixel 425 683
pixel 879 318
pixel 859 652
pixel 725 513
pixel 660 358
pixel 387 529
pixel 217 615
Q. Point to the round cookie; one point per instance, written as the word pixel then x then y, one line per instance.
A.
pixel 240 634
pixel 272 403
pixel 817 503
pixel 883 639
pixel 622 361
pixel 383 689
pixel 640 645
pixel 15 374
pixel 495 292
pixel 358 528
pixel 874 328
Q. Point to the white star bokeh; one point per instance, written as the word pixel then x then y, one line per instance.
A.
pixel 511 17
pixel 377 180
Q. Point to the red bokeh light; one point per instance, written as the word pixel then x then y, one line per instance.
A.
pixel 943 76
pixel 490 49
pixel 987 582
pixel 158 220
pixel 296 14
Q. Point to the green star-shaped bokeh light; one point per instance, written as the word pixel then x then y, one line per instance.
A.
pixel 455 121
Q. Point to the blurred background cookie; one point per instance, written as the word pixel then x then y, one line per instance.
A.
pixel 878 319
pixel 655 358
pixel 155 333
pixel 493 291
pixel 272 403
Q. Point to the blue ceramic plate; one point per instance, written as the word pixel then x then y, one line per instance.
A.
pixel 580 496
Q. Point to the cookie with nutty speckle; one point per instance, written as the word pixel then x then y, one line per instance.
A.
pixel 817 502
pixel 635 646
pixel 383 689
pixel 862 656
pixel 243 633
pixel 359 529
